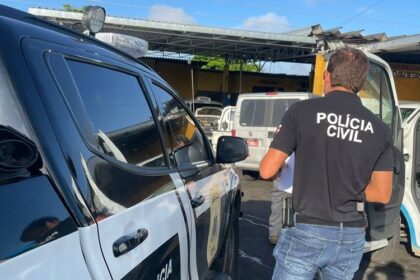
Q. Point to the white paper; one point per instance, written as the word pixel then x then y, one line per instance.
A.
pixel 285 179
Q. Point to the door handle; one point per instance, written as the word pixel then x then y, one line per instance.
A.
pixel 129 242
pixel 195 202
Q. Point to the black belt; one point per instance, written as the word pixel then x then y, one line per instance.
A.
pixel 314 221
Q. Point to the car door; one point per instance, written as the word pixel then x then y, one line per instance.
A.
pixel 39 235
pixel 278 105
pixel 411 203
pixel 379 96
pixel 113 149
pixel 208 185
pixel 252 121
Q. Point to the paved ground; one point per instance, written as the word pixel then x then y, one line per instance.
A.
pixel 256 261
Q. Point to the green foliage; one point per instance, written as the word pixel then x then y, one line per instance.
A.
pixel 70 8
pixel 217 63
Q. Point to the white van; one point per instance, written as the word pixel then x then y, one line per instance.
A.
pixel 256 119
pixel 410 207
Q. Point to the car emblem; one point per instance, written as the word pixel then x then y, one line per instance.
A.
pixel 250 134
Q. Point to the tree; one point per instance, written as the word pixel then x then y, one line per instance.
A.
pixel 218 63
pixel 70 8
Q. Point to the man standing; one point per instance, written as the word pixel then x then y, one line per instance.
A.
pixel 282 189
pixel 343 158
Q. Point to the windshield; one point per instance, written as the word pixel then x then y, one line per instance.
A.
pixel 209 111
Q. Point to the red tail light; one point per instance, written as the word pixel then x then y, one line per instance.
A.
pixel 234 132
pixel 252 142
pixel 271 93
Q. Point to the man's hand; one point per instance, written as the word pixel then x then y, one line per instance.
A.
pixel 271 163
pixel 380 187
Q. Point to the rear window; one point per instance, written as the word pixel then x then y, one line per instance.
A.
pixel 209 111
pixel 264 112
pixel 280 107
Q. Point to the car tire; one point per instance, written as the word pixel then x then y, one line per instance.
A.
pixel 387 253
pixel 250 175
pixel 227 263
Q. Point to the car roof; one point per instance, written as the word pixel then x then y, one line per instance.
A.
pixel 37 27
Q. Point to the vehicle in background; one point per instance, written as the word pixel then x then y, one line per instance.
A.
pixel 208 117
pixel 256 119
pixel 225 124
pixel 410 208
pixel 202 101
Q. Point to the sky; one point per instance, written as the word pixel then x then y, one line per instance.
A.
pixel 373 16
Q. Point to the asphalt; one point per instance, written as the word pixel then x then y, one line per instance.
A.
pixel 256 260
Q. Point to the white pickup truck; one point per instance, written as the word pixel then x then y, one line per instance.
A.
pixel 225 126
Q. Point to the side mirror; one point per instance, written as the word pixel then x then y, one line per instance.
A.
pixel 231 149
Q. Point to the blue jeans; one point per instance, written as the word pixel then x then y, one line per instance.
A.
pixel 305 248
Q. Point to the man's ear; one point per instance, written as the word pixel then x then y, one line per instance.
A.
pixel 327 76
pixel 327 81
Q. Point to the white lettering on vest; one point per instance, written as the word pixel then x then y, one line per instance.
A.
pixel 344 127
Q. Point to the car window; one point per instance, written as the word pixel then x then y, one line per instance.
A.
pixel 406 112
pixel 264 112
pixel 209 111
pixel 31 213
pixel 232 115
pixel 185 139
pixel 279 108
pixel 376 94
pixel 119 114
pixel 253 112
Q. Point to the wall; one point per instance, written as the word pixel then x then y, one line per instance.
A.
pixel 209 82
pixel 407 81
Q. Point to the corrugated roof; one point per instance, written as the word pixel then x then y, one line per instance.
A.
pixel 295 45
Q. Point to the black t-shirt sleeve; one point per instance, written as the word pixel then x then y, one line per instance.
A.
pixel 385 161
pixel 286 134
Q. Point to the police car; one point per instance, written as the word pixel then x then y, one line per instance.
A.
pixel 104 172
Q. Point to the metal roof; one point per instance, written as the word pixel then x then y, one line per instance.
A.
pixel 402 49
pixel 196 39
pixel 296 45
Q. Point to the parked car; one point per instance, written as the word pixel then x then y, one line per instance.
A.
pixel 225 126
pixel 257 117
pixel 208 117
pixel 202 101
pixel 104 172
